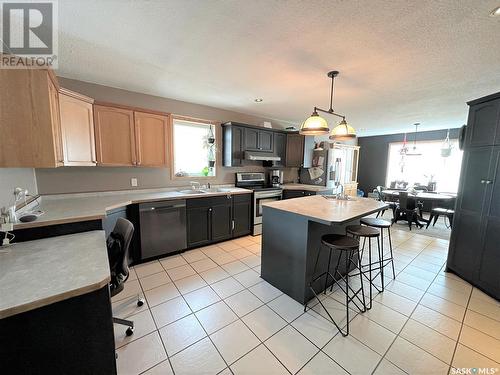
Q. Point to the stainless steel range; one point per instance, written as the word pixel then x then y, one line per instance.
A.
pixel 262 192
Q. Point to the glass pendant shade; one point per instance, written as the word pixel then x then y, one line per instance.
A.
pixel 343 130
pixel 314 125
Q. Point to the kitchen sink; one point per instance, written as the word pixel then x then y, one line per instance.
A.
pixel 192 191
pixel 217 190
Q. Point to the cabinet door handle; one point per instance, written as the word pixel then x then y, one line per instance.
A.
pixel 210 209
pixel 232 225
pixel 483 181
pixel 489 182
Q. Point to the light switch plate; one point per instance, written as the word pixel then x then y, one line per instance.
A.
pixel 133 182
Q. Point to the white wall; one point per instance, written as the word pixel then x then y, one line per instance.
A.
pixel 11 178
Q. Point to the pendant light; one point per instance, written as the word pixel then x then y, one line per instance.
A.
pixel 446 146
pixel 317 125
pixel 414 150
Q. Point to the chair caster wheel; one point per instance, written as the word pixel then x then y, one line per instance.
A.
pixel 140 302
pixel 129 331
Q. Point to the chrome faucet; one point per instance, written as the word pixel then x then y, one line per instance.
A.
pixel 195 185
pixel 341 196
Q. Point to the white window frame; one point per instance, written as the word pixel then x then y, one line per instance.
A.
pixel 216 127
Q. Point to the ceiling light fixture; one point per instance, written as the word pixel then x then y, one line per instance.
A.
pixel 414 150
pixel 258 100
pixel 317 125
pixel 495 12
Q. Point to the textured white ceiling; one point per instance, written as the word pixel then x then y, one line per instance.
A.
pixel 400 61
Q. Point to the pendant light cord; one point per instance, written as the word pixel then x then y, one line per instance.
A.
pixel 331 95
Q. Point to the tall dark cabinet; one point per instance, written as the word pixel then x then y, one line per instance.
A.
pixel 474 252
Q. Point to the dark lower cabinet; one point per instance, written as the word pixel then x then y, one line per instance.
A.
pixel 242 214
pixel 214 219
pixel 198 225
pixel 221 221
pixel 289 194
pixel 474 251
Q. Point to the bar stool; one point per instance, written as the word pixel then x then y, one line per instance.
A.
pixel 361 231
pixel 350 247
pixel 382 224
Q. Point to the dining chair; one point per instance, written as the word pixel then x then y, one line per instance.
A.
pixel 407 209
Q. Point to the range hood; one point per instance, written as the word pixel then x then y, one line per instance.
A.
pixel 261 156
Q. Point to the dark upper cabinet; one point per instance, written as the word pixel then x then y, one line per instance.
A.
pixel 266 140
pixel 294 150
pixel 239 138
pixel 474 251
pixel 233 150
pixel 280 148
pixel 258 140
pixel 242 214
pixel 251 139
pixel 484 126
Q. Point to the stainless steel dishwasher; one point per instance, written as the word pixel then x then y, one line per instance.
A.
pixel 163 227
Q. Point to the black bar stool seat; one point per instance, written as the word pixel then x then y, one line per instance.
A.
pixel 375 222
pixel 349 247
pixel 339 242
pixel 362 231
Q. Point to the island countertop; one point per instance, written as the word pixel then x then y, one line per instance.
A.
pixel 306 187
pixel 37 273
pixel 328 211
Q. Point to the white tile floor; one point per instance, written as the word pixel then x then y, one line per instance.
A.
pixel 209 312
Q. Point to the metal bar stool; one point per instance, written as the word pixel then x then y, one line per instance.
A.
pixel 382 224
pixel 361 231
pixel 350 247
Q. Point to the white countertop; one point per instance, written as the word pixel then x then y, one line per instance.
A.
pixel 328 211
pixel 38 273
pixel 70 208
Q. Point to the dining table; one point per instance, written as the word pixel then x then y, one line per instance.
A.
pixel 432 198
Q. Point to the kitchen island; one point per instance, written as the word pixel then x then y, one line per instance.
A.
pixel 291 237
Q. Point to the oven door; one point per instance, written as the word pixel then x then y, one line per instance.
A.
pixel 259 199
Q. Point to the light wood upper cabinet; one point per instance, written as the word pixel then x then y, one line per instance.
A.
pixel 115 136
pixel 29 119
pixel 151 139
pixel 77 129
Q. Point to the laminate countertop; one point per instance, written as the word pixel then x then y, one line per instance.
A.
pixel 306 187
pixel 327 211
pixel 37 273
pixel 71 208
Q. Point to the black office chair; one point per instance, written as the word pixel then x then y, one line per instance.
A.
pixel 407 209
pixel 118 244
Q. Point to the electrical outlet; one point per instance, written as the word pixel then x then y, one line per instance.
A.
pixel 133 182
